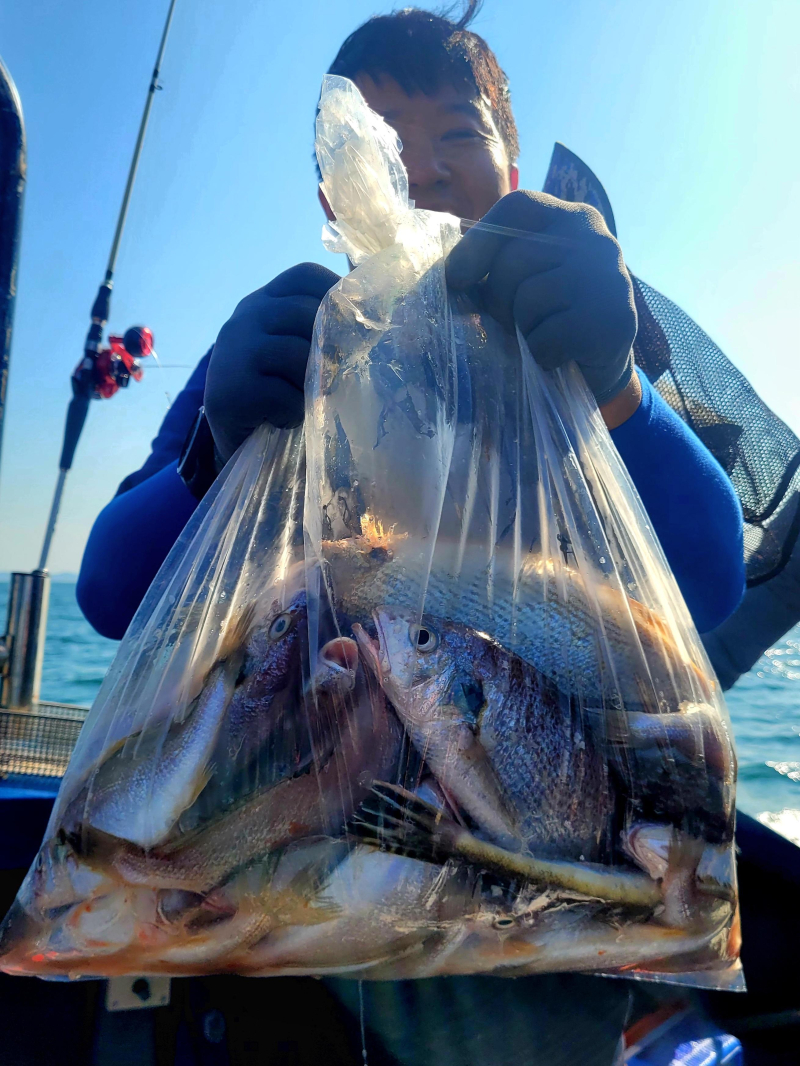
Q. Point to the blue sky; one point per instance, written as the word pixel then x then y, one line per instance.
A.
pixel 687 112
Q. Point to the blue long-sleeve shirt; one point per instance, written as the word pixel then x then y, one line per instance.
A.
pixel 691 503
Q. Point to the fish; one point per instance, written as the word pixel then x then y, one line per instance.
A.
pixel 565 937
pixel 268 732
pixel 267 895
pixel 400 821
pixel 650 845
pixel 695 731
pixel 388 906
pixel 588 636
pixel 125 928
pixel 252 695
pixel 318 800
pixel 275 675
pixel 140 790
pixel 157 683
pixel 501 739
pixel 678 767
pixel 58 878
pixel 86 936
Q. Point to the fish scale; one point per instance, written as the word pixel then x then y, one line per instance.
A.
pixel 537 763
pixel 609 652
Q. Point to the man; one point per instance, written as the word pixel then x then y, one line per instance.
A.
pixel 441 88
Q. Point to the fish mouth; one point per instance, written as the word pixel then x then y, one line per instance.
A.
pixel 370 647
pixel 337 666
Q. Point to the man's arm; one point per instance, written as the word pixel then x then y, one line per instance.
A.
pixel 691 503
pixel 256 375
pixel 133 534
pixel 129 541
pixel 166 447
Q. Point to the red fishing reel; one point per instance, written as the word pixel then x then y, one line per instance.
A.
pixel 112 368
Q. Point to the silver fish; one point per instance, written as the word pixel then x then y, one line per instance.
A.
pixel 317 801
pixel 140 790
pixel 590 638
pixel 499 737
pixel 388 906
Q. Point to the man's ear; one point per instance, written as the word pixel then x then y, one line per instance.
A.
pixel 326 207
pixel 513 176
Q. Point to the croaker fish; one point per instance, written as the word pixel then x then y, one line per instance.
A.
pixel 388 907
pixel 317 801
pixel 140 790
pixel 586 635
pixel 281 891
pixel 270 731
pixel 499 737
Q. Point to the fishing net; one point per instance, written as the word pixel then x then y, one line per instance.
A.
pixel 416 693
pixel 758 451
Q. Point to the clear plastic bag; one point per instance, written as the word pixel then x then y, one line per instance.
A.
pixel 433 706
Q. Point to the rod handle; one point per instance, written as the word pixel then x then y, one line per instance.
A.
pixel 76 416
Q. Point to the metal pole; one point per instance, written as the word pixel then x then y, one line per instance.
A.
pixel 12 185
pixel 28 597
pixel 83 380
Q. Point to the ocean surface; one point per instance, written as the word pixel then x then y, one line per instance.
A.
pixel 764 706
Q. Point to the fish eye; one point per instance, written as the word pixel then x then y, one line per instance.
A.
pixel 380 555
pixel 281 626
pixel 424 638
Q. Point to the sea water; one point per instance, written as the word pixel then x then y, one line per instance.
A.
pixel 764 706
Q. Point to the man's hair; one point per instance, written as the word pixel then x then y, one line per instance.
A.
pixel 423 51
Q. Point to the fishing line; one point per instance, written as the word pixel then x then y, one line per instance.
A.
pixel 161 369
pixel 361 1019
pixel 508 231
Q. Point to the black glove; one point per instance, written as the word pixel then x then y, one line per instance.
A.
pixel 258 366
pixel 571 299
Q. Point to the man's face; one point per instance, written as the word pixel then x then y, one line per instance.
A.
pixel 455 158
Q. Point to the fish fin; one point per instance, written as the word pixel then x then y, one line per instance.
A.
pixel 307 885
pixel 679 884
pixel 237 633
pixel 96 848
pixel 200 783
pixel 394 819
pixel 652 623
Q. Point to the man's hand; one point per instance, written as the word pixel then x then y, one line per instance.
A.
pixel 571 298
pixel 258 366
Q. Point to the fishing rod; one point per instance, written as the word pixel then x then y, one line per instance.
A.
pixel 101 372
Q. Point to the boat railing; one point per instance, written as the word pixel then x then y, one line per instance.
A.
pixel 38 740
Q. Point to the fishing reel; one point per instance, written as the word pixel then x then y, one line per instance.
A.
pixel 102 373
